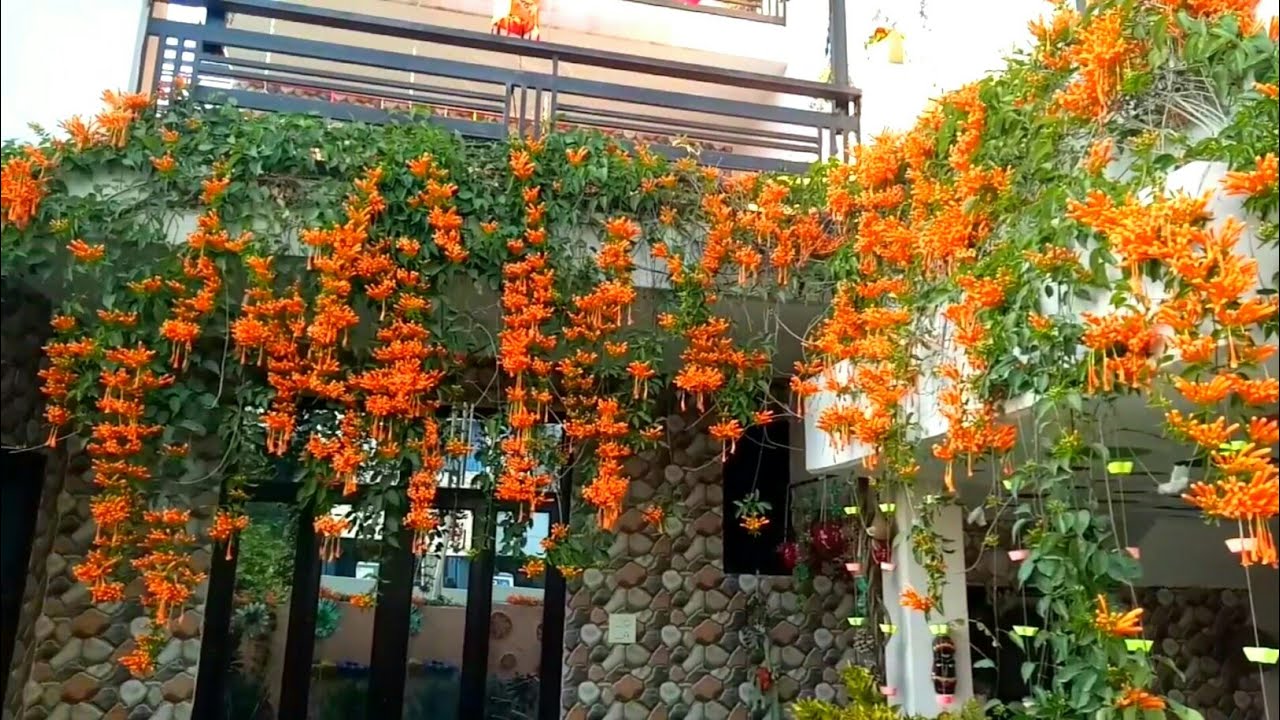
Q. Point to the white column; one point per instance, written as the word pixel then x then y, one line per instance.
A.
pixel 909 653
pixel 57 56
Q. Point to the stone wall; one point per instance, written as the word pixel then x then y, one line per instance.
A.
pixel 1202 633
pixel 65 657
pixel 690 660
pixel 24 328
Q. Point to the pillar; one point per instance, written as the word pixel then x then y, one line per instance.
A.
pixel 909 652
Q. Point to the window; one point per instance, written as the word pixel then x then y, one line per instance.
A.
pixel 761 462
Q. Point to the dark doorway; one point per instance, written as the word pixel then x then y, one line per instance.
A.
pixel 761 463
pixel 21 481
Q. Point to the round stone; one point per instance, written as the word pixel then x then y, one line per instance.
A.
pixel 822 638
pixel 824 692
pixel 671 635
pixel 588 692
pixel 590 634
pixel 669 692
pixel 748 583
pixel 592 578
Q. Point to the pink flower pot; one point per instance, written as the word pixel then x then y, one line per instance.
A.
pixel 854 568
pixel 888 691
pixel 946 700
pixel 1135 552
pixel 886 566
pixel 1019 555
pixel 1238 545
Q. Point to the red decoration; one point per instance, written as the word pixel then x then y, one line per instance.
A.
pixel 827 540
pixel 517 18
pixel 789 552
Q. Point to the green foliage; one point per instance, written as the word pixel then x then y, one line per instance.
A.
pixel 264 562
pixel 867 703
pixel 328 618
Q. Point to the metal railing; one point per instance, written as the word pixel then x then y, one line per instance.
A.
pixel 493 92
pixel 770 11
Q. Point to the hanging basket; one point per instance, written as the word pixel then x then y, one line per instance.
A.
pixel 888 508
pixel 888 628
pixel 1262 655
pixel 851 510
pixel 887 566
pixel 1134 551
pixel 853 568
pixel 1026 631
pixel 888 691
pixel 1138 645
pixel 857 621
pixel 938 629
pixel 946 700
pixel 1019 555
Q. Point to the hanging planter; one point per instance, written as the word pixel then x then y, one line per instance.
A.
pixel 888 508
pixel 1026 631
pixel 887 566
pixel 1134 551
pixel 1138 645
pixel 888 628
pixel 1239 545
pixel 857 621
pixel 888 691
pixel 1262 655
pixel 1019 555
pixel 946 700
pixel 938 629
pixel 851 510
pixel 853 568
pixel 1120 467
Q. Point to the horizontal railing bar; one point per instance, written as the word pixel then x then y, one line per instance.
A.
pixel 486 102
pixel 740 13
pixel 343 111
pixel 734 161
pixel 343 20
pixel 303 83
pixel 469 71
pixel 588 121
pixel 273 67
pixel 753 132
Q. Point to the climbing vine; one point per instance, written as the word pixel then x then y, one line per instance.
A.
pixel 265 286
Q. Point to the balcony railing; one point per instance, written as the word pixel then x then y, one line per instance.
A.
pixel 772 11
pixel 268 56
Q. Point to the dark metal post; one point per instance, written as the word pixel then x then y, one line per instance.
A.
pixel 839 48
pixel 475 644
pixel 551 665
pixel 215 644
pixel 391 621
pixel 295 680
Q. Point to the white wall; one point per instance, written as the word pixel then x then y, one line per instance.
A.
pixel 57 56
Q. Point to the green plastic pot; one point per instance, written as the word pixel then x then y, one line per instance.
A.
pixel 1120 467
pixel 1025 631
pixel 1262 655
pixel 1138 645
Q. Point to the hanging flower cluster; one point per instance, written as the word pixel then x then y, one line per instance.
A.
pixel 528 303
pixel 1212 318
